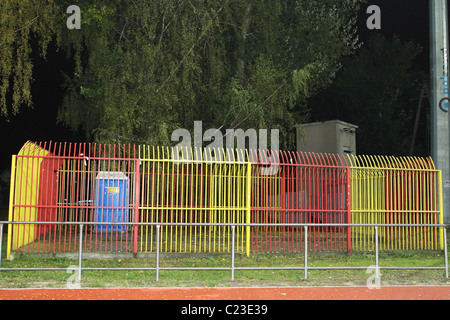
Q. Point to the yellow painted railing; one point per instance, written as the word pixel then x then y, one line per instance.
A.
pixel 391 190
pixel 196 186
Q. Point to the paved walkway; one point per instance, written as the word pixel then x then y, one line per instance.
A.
pixel 284 293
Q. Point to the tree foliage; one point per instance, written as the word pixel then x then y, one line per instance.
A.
pixel 145 68
pixel 22 21
pixel 374 91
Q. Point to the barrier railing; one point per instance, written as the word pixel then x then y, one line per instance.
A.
pixel 263 193
pixel 396 190
pixel 195 187
pixel 304 188
pixel 233 267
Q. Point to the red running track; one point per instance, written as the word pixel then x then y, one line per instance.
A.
pixel 287 293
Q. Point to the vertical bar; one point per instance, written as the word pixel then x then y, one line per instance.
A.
pixel 1 244
pixel 349 209
pixel 80 252
pixel 66 195
pixel 376 253
pixel 158 227
pixel 11 204
pixel 220 202
pixel 76 192
pixel 30 211
pixel 177 203
pixel 144 191
pixel 445 252
pixel 232 251
pixel 248 193
pixel 137 180
pixel 190 191
pixel 306 252
pixel 198 203
pixel 172 205
pixel 284 200
pixel 441 211
pixel 164 212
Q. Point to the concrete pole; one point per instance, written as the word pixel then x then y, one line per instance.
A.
pixel 440 102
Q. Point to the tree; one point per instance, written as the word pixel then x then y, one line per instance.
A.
pixel 145 68
pixel 377 90
pixel 22 21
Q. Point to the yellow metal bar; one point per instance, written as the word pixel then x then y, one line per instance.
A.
pixel 241 185
pixel 200 201
pixel 441 211
pixel 142 195
pixel 151 174
pixel 214 211
pixel 191 201
pixel 171 206
pixel 176 203
pixel 221 202
pixel 248 211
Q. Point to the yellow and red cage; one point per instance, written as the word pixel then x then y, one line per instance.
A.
pixel 63 182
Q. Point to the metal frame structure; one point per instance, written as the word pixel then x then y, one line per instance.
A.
pixel 396 190
pixel 197 194
pixel 306 188
pixel 232 268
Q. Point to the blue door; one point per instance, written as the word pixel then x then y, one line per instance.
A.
pixel 112 198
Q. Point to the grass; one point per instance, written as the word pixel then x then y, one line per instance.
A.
pixel 222 278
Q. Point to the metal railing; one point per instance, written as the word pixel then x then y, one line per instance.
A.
pixel 233 267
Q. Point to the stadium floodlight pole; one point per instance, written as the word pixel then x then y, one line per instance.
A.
pixel 440 101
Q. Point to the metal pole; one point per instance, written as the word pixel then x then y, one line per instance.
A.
pixel 440 102
pixel 445 252
pixel 232 252
pixel 306 252
pixel 1 244
pixel 248 207
pixel 377 272
pixel 158 227
pixel 80 252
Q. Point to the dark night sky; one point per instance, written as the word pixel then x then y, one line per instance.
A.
pixel 408 19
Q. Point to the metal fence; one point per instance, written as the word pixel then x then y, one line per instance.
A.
pixel 396 190
pixel 160 242
pixel 196 195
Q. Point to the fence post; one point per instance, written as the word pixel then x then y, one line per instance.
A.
pixel 377 269
pixel 446 252
pixel 80 252
pixel 232 251
pixel 306 252
pixel 348 205
pixel 248 209
pixel 1 244
pixel 158 227
pixel 137 183
pixel 441 211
